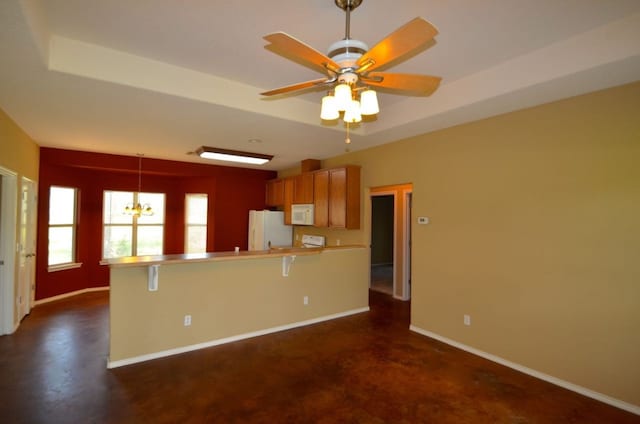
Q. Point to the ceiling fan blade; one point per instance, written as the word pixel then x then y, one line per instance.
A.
pixel 402 41
pixel 417 84
pixel 285 44
pixel 298 86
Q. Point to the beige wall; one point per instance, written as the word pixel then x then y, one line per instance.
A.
pixel 18 152
pixel 20 155
pixel 229 298
pixel 535 233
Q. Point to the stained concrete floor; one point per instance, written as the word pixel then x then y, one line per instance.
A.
pixel 367 368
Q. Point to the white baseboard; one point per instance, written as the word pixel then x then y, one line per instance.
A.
pixel 634 409
pixel 184 349
pixel 73 293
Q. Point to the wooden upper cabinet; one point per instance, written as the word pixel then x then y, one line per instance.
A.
pixel 289 186
pixel 337 197
pixel 321 198
pixel 334 192
pixel 303 188
pixel 275 192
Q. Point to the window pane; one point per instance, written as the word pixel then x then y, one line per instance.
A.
pixel 60 245
pixel 149 240
pixel 62 205
pixel 196 239
pixel 114 204
pixel 128 235
pixel 117 241
pixel 197 209
pixel 156 201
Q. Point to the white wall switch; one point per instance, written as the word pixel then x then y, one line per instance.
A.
pixel 467 320
pixel 305 300
pixel 187 320
pixel 423 220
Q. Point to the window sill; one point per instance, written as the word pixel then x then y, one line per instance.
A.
pixel 62 267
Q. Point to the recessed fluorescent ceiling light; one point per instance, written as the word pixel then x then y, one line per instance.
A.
pixel 233 155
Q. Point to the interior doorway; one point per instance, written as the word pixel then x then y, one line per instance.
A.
pixel 27 248
pixel 382 243
pixel 390 240
pixel 8 218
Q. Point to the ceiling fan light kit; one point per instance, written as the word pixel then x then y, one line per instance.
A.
pixel 329 110
pixel 369 102
pixel 343 96
pixel 350 63
pixel 353 115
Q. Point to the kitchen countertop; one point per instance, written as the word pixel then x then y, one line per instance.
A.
pixel 274 252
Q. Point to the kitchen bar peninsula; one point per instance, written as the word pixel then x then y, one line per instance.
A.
pixel 164 305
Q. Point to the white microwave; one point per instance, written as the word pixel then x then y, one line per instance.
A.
pixel 302 214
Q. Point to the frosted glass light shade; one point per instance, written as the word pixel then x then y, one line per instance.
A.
pixel 216 153
pixel 343 96
pixel 369 103
pixel 352 114
pixel 329 110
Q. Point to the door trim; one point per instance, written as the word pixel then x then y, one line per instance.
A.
pixel 401 252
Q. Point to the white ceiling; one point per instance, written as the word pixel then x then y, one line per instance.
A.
pixel 162 77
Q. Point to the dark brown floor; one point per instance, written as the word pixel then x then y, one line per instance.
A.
pixel 368 368
pixel 382 278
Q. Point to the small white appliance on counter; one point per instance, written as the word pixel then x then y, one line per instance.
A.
pixel 302 214
pixel 312 241
pixel 266 229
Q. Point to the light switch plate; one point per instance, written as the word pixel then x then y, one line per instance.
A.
pixel 423 220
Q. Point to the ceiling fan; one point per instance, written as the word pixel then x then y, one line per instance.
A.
pixel 351 66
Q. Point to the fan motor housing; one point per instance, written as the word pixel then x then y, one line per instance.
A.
pixel 346 52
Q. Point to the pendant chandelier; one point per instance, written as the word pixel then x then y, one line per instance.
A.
pixel 139 209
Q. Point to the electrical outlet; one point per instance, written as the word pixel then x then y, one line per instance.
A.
pixel 187 320
pixel 305 300
pixel 467 320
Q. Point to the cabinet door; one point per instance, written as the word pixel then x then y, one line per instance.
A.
pixel 321 198
pixel 289 185
pixel 303 192
pixel 275 193
pixel 338 198
pixel 352 206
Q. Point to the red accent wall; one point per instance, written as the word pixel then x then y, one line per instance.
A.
pixel 232 192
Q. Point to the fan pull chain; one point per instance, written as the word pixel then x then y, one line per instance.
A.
pixel 347 140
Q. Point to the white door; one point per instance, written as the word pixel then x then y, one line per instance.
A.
pixel 27 248
pixel 8 198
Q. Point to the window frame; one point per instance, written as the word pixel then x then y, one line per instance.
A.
pixel 73 263
pixel 188 225
pixel 134 224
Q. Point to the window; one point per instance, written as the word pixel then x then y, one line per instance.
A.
pixel 62 226
pixel 195 236
pixel 130 235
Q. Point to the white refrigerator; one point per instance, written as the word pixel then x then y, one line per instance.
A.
pixel 266 229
